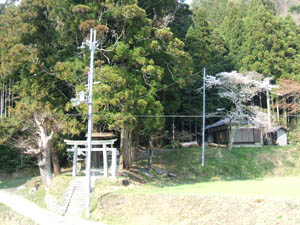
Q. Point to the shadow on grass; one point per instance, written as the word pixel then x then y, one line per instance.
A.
pixel 13 183
pixel 19 178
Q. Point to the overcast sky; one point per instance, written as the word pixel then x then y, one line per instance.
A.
pixel 188 1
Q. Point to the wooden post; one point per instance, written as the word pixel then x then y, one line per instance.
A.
pixel 113 162
pixel 269 110
pixel 196 132
pixel 191 137
pixel 277 109
pixel 105 159
pixel 74 172
pixel 173 129
pixel 261 137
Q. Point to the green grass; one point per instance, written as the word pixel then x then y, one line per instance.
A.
pixel 222 164
pixel 28 183
pixel 10 217
pixel 272 200
pixel 12 183
pixel 38 197
pixel 58 188
pixel 276 187
pixel 232 184
pixel 59 191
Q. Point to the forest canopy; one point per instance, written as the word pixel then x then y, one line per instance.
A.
pixel 149 62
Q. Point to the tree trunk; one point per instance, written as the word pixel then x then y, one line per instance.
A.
pixel 44 159
pixel 150 155
pixel 191 136
pixel 260 100
pixel 232 135
pixel 269 110
pixel 286 115
pixel 135 145
pixel 55 161
pixel 44 162
pixel 261 137
pixel 196 137
pixel 126 148
pixel 2 101
pixel 278 113
pixel 173 129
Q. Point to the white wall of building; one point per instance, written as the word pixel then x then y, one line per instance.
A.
pixel 281 137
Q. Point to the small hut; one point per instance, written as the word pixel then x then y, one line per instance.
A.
pixel 277 136
pixel 247 134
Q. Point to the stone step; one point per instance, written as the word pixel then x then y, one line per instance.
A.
pixel 80 195
pixel 77 201
pixel 79 208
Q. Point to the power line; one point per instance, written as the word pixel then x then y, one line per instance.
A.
pixel 140 97
pixel 51 67
pixel 189 77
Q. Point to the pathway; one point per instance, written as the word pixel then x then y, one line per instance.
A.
pixel 76 202
pixel 39 215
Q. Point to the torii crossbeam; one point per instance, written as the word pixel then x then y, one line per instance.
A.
pixel 104 143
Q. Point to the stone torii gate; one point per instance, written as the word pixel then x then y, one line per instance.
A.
pixel 106 147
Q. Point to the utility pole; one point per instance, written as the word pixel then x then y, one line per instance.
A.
pixel 83 98
pixel 203 119
pixel 92 45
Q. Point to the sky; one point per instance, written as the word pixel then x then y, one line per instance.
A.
pixel 188 1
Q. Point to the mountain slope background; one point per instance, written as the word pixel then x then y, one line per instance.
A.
pixel 283 8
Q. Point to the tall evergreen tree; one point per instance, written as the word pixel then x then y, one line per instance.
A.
pixel 269 42
pixel 233 30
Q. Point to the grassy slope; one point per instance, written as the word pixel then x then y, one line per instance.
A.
pixel 240 163
pixel 232 184
pixel 10 217
pixel 58 188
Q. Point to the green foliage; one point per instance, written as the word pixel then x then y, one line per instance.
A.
pixel 214 10
pixel 295 9
pixel 12 159
pixel 198 40
pixel 182 21
pixel 232 29
pixel 206 46
pixel 294 136
pixel 144 60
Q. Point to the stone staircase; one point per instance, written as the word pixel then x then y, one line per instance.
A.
pixel 77 198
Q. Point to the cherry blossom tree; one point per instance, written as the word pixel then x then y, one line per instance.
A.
pixel 239 88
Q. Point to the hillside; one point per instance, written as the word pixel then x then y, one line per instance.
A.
pixel 231 185
pixel 283 7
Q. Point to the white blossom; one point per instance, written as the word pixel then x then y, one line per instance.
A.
pixel 239 89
